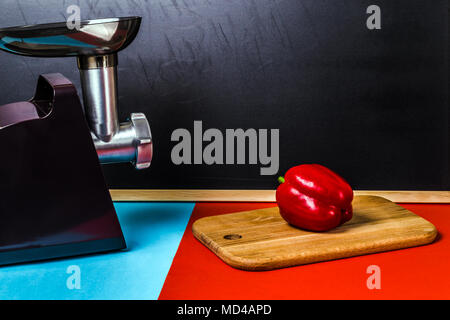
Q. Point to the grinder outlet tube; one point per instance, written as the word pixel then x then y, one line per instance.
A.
pixel 132 143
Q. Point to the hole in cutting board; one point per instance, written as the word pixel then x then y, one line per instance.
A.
pixel 232 236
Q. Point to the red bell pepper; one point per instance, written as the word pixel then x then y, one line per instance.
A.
pixel 313 197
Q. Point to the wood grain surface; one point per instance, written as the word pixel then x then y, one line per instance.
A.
pixel 196 195
pixel 262 240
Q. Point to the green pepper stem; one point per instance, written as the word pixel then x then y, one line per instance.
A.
pixel 280 180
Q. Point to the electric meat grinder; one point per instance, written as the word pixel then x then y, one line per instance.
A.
pixel 54 201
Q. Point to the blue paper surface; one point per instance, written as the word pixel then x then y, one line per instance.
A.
pixel 152 231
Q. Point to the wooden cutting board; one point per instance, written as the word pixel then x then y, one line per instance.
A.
pixel 262 240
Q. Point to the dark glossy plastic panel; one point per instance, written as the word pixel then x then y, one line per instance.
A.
pixel 54 201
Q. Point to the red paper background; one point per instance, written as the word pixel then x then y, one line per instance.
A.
pixel 413 273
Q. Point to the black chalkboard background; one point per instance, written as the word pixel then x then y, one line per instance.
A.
pixel 369 104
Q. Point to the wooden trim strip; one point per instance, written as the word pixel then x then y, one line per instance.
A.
pixel 194 195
